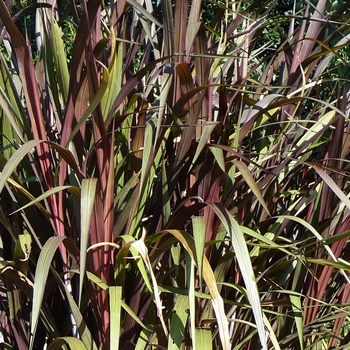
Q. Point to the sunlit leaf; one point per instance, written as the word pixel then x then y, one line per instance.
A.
pixel 251 183
pixel 88 190
pixel 42 270
pixel 243 258
pixel 198 224
pixel 203 339
pixel 74 343
pixel 209 278
pixel 115 294
pixel 297 310
pixel 178 323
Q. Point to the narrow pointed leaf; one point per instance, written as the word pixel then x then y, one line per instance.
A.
pixel 44 196
pixel 203 339
pixel 297 311
pixel 333 186
pixel 12 164
pixel 178 323
pixel 242 167
pixel 243 258
pixel 143 12
pixel 209 278
pixel 74 343
pixel 60 62
pixel 42 270
pixel 88 190
pixel 115 295
pixel 198 224
pixel 207 129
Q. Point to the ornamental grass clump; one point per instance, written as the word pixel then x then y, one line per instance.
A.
pixel 174 175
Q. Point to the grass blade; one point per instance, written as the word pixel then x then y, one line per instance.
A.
pixel 178 323
pixel 115 295
pixel 242 167
pixel 60 63
pixel 198 224
pixel 74 343
pixel 209 278
pixel 88 190
pixel 297 311
pixel 42 270
pixel 243 258
pixel 332 185
pixel 17 157
pixel 203 338
pixel 45 195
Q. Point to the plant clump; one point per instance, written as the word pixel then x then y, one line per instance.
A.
pixel 174 175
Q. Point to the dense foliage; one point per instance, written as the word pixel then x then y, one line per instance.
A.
pixel 174 175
